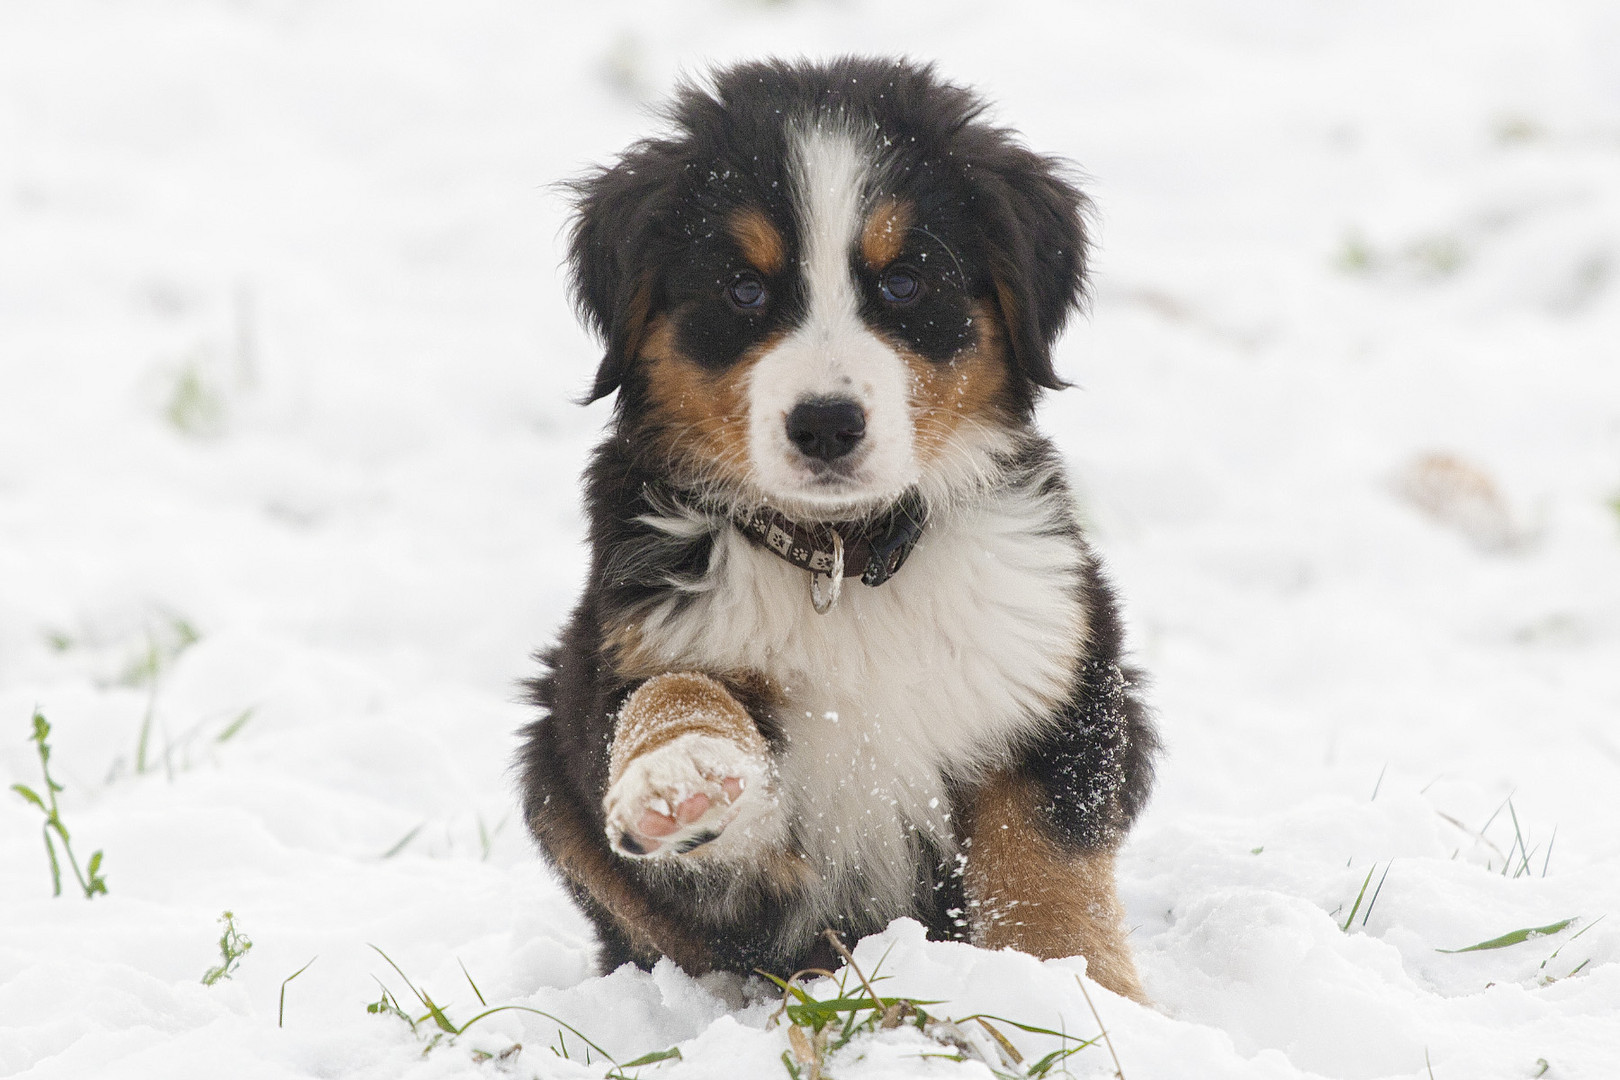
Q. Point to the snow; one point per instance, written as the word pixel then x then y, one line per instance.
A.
pixel 1334 241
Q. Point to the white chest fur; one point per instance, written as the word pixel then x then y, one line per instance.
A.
pixel 932 675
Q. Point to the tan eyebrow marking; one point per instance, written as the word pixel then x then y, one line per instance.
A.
pixel 760 242
pixel 885 232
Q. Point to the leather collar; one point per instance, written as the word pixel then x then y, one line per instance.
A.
pixel 873 550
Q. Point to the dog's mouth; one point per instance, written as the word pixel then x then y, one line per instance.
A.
pixel 823 475
pixel 831 491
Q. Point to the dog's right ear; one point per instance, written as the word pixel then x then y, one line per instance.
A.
pixel 615 288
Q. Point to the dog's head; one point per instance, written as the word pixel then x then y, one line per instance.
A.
pixel 829 284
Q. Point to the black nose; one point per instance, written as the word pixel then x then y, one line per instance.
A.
pixel 826 428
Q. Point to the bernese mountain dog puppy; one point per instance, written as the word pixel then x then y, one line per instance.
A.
pixel 844 654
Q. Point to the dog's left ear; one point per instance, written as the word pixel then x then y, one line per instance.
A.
pixel 614 285
pixel 1035 233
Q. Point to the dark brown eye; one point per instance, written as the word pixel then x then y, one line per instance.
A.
pixel 900 285
pixel 747 293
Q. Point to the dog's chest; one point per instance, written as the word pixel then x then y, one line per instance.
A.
pixel 897 689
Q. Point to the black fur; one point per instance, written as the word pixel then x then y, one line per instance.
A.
pixel 649 239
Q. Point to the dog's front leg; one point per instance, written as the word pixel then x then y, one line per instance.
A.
pixel 1028 890
pixel 688 766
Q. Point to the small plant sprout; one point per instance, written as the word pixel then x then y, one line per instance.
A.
pixel 92 882
pixel 1355 255
pixel 195 404
pixel 233 945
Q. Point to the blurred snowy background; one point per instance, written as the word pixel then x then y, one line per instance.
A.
pixel 288 495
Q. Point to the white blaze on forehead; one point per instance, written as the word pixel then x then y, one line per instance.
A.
pixel 829 170
pixel 831 353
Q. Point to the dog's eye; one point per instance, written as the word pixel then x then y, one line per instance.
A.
pixel 900 286
pixel 746 293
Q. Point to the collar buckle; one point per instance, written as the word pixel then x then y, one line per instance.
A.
pixel 891 548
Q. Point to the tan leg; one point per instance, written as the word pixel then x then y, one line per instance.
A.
pixel 687 764
pixel 1026 892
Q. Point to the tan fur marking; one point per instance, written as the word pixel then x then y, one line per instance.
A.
pixel 760 242
pixel 965 390
pixel 1008 303
pixel 622 640
pixel 884 233
pixel 636 313
pixel 668 706
pixel 1026 892
pixel 703 414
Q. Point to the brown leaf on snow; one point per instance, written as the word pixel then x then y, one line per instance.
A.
pixel 1462 496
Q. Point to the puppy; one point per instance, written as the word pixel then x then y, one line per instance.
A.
pixel 843 654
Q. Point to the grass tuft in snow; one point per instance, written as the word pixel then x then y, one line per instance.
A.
pixel 92 883
pixel 487 835
pixel 164 645
pixel 435 1026
pixel 1547 978
pixel 1518 854
pixel 1517 859
pixel 233 945
pixel 818 1028
pixel 1350 919
pixel 1433 256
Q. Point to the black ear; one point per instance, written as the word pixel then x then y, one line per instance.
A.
pixel 1035 235
pixel 611 265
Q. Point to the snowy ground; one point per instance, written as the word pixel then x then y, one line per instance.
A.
pixel 285 360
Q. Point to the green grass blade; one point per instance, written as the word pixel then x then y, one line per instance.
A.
pixel 399 847
pixel 281 1005
pixel 476 991
pixel 234 726
pixel 524 1008
pixel 672 1054
pixel 1031 1028
pixel 1371 903
pixel 440 1020
pixel 56 867
pixel 1516 937
pixel 1359 897
pixel 407 978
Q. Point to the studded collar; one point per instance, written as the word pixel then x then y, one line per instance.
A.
pixel 872 550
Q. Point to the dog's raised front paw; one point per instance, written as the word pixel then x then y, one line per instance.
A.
pixel 679 796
